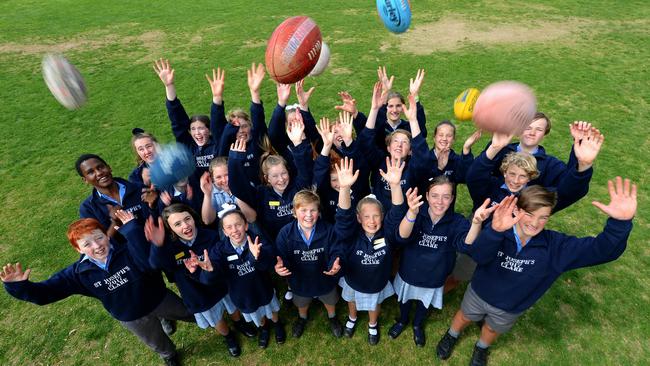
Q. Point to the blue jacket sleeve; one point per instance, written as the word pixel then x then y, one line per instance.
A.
pixel 420 162
pixel 486 245
pixel 359 122
pixel 228 136
pixel 217 121
pixel 238 180
pixel 259 120
pixel 336 250
pixel 572 187
pixel 345 224
pixel 180 121
pixel 216 259
pixel 374 157
pixel 282 246
pixel 277 130
pixel 569 252
pixel 304 164
pixel 422 119
pixel 61 285
pixel 310 126
pixel 162 257
pixel 480 180
pixel 321 171
pixel 398 212
pixel 137 244
pixel 464 162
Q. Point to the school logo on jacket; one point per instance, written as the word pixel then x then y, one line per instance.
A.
pixel 115 281
pixel 309 255
pixel 203 161
pixel 242 269
pixel 281 210
pixel 514 264
pixel 371 259
pixel 431 241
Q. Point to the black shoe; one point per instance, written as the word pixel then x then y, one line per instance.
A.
pixel 396 330
pixel 418 336
pixel 245 328
pixel 298 327
pixel 168 326
pixel 336 327
pixel 350 325
pixel 446 346
pixel 265 335
pixel 280 334
pixel 373 339
pixel 173 360
pixel 479 357
pixel 232 344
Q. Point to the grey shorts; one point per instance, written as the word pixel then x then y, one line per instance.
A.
pixel 464 268
pixel 330 298
pixel 475 309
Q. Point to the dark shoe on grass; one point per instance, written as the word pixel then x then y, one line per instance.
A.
pixel 265 335
pixel 298 327
pixel 446 346
pixel 373 335
pixel 418 336
pixel 479 357
pixel 336 327
pixel 396 330
pixel 280 334
pixel 168 326
pixel 350 325
pixel 245 328
pixel 173 360
pixel 233 346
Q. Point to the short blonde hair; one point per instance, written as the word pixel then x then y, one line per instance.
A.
pixel 522 160
pixel 239 113
pixel 389 137
pixel 305 197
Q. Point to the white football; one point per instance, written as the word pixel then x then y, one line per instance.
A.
pixel 323 61
pixel 64 81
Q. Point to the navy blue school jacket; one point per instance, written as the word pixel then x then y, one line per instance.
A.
pixel 513 281
pixel 129 289
pixel 368 260
pixel 414 172
pixel 551 169
pixel 456 168
pixel 248 279
pixel 280 140
pixel 273 210
pixel 307 263
pixel 384 128
pixel 429 253
pixel 572 186
pixel 136 174
pixel 197 296
pixel 95 206
pixel 181 128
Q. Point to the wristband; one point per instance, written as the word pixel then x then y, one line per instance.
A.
pixel 409 220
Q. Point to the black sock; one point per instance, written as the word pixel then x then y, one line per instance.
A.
pixel 420 314
pixel 404 310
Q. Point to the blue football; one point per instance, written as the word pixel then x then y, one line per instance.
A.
pixel 173 163
pixel 396 14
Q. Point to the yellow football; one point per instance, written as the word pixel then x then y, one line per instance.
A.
pixel 464 104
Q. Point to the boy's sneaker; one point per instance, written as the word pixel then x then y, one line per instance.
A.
pixel 168 326
pixel 446 346
pixel 335 326
pixel 479 357
pixel 298 327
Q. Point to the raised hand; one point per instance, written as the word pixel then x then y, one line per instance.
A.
pixel 164 71
pixel 284 92
pixel 471 140
pixel 587 148
pixel 295 129
pixel 499 141
pixel 622 200
pixel 326 132
pixel 386 82
pixel 578 129
pixel 336 267
pixel 124 216
pixel 166 198
pixel 482 213
pixel 206 183
pixel 345 126
pixel 443 158
pixel 414 200
pixel 194 261
pixel 254 246
pixel 302 95
pixel 280 269
pixel 415 84
pixel 14 273
pixel 346 173
pixel 153 233
pixel 502 218
pixel 149 195
pixel 393 174
pixel 411 112
pixel 255 76
pixel 217 84
pixel 239 145
pixel 112 209
pixel 349 104
pixel 377 97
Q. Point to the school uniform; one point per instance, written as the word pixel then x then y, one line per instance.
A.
pixel 206 302
pixel 456 168
pixel 127 286
pixel 278 135
pixel 513 277
pixel 135 176
pixel 572 186
pixel 307 259
pixel 428 255
pixel 384 128
pixel 273 210
pixel 248 279
pixel 369 260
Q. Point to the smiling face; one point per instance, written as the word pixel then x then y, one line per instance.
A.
pixel 394 109
pixel 307 215
pixel 399 146
pixel 338 139
pixel 444 138
pixel 533 134
pixel 146 149
pixel 96 173
pixel 515 178
pixel 220 177
pixel 244 132
pixel 278 177
pixel 234 227
pixel 370 218
pixel 200 132
pixel 532 223
pixel 95 244
pixel 183 225
pixel 439 198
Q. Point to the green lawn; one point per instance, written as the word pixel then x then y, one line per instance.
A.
pixel 586 60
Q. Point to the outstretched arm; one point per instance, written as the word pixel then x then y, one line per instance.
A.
pixel 166 74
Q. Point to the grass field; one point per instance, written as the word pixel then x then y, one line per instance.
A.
pixel 586 60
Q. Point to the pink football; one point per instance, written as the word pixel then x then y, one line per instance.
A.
pixel 505 107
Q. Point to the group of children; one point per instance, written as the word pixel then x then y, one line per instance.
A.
pixel 362 204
